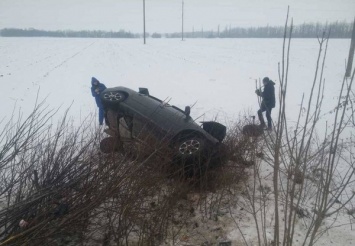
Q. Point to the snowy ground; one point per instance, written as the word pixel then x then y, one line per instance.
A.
pixel 216 74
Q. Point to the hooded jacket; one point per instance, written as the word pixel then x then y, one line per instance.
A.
pixel 268 94
pixel 100 87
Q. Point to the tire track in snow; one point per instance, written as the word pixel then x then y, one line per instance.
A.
pixel 40 56
pixel 41 79
pixel 68 59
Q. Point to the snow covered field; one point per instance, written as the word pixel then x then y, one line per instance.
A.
pixel 216 74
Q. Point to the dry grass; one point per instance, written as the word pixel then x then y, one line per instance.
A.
pixel 67 192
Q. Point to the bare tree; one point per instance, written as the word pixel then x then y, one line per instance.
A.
pixel 313 172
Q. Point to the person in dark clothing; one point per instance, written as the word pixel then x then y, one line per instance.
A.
pixel 96 89
pixel 267 103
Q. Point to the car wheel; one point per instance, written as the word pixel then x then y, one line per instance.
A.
pixel 109 145
pixel 190 146
pixel 190 155
pixel 113 97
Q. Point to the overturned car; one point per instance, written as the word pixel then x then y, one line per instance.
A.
pixel 132 115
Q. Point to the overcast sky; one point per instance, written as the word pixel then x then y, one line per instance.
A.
pixel 165 15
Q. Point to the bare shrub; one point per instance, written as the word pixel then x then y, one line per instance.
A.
pixel 57 188
pixel 41 169
pixel 312 174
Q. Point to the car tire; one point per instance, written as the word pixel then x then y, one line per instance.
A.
pixel 190 155
pixel 190 146
pixel 109 145
pixel 112 97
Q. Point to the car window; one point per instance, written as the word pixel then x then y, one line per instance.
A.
pixel 125 127
pixel 112 119
pixel 137 127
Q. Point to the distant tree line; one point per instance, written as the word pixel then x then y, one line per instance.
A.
pixel 15 32
pixel 306 30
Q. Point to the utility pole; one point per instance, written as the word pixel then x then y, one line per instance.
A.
pixel 144 20
pixel 351 53
pixel 182 22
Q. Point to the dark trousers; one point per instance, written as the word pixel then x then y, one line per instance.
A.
pixel 101 115
pixel 262 109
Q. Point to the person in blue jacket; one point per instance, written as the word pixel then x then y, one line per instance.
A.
pixel 96 89
pixel 267 103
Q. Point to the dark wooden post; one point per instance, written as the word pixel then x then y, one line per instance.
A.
pixel 182 23
pixel 351 53
pixel 144 20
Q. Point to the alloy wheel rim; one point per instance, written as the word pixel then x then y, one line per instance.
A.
pixel 189 147
pixel 113 96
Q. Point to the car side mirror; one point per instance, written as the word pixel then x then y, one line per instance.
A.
pixel 187 111
pixel 144 91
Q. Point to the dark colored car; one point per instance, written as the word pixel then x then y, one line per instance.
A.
pixel 135 115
